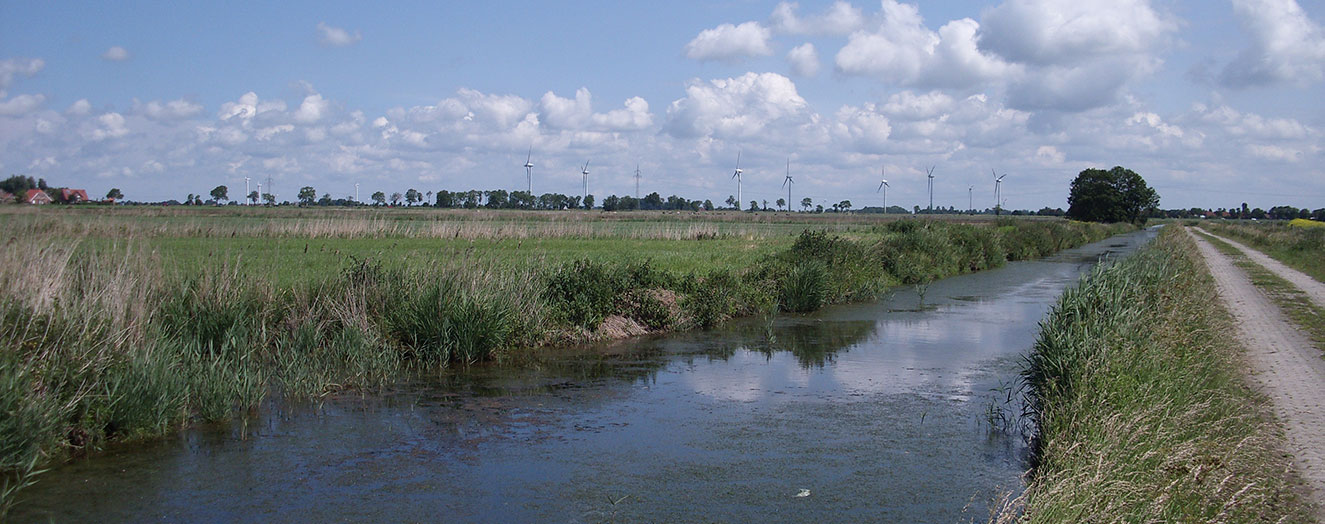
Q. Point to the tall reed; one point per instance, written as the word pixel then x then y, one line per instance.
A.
pixel 1142 408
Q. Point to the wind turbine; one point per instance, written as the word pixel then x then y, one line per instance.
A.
pixel 356 192
pixel 529 171
pixel 930 171
pixel 787 182
pixel 883 186
pixel 970 198
pixel 245 188
pixel 636 181
pixel 737 176
pixel 998 190
pixel 585 171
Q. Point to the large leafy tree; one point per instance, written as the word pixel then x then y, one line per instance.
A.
pixel 1116 195
pixel 220 193
pixel 307 195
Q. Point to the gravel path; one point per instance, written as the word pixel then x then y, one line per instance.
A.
pixel 1312 287
pixel 1287 368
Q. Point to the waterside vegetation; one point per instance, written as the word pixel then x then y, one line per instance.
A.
pixel 106 336
pixel 1143 412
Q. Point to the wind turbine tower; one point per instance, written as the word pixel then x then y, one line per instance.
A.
pixel 883 186
pixel 636 181
pixel 585 171
pixel 737 176
pixel 998 190
pixel 970 198
pixel 529 171
pixel 787 182
pixel 930 171
pixel 245 188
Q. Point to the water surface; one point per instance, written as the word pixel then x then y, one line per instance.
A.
pixel 880 410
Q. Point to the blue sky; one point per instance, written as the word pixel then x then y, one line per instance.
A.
pixel 1214 102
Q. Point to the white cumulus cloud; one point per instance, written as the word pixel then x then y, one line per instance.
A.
pixel 311 109
pixel 902 51
pixel 13 67
pixel 804 60
pixel 171 110
pixel 1077 54
pixel 734 107
pixel 116 54
pixel 21 104
pixel 730 43
pixel 840 19
pixel 1286 45
pixel 331 36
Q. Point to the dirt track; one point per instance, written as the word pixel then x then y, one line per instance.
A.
pixel 1312 287
pixel 1286 366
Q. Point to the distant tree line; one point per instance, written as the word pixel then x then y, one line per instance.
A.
pixel 1242 212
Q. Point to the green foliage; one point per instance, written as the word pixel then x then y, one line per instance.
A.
pixel 583 292
pixel 1139 396
pixel 1116 195
pixel 712 299
pixel 805 288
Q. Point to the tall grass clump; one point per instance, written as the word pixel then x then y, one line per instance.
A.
pixel 1142 410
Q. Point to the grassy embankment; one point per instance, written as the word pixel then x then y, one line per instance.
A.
pixel 1297 246
pixel 121 327
pixel 1143 411
pixel 1296 305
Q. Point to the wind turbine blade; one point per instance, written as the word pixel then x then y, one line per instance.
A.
pixel 738 159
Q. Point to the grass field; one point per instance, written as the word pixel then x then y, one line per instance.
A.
pixel 124 323
pixel 1142 407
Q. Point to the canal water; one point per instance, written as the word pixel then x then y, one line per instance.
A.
pixel 900 410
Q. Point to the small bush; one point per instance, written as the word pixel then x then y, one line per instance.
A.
pixel 712 299
pixel 584 292
pixel 805 287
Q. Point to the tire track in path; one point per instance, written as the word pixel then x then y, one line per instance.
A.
pixel 1313 288
pixel 1285 366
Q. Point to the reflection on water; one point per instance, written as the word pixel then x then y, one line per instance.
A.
pixel 877 409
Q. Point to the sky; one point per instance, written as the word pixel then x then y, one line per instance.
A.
pixel 1213 102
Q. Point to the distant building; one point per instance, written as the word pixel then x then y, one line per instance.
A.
pixel 5 197
pixel 36 197
pixel 72 196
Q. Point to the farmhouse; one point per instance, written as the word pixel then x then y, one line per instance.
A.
pixel 36 197
pixel 73 196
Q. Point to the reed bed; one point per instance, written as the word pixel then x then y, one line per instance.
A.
pixel 1142 408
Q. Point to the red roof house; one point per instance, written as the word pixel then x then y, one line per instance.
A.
pixel 72 196
pixel 36 197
